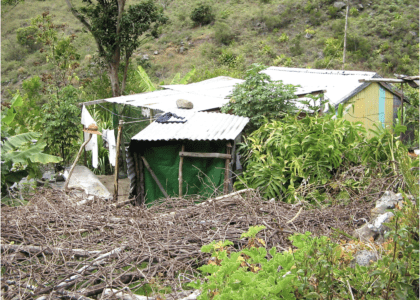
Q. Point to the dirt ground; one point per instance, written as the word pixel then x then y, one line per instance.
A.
pixel 123 185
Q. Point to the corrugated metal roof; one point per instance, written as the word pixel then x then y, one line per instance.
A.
pixel 199 126
pixel 339 85
pixel 205 95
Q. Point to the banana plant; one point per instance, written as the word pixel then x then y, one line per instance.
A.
pixel 20 155
pixel 146 84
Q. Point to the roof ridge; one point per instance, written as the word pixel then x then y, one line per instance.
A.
pixel 321 71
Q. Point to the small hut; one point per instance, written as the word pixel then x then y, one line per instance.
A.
pixel 185 153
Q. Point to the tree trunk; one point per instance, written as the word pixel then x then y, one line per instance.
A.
pixel 127 61
pixel 113 76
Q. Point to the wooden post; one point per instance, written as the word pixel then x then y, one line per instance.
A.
pixel 85 157
pixel 402 110
pixel 154 177
pixel 75 161
pixel 124 154
pixel 151 116
pixel 181 161
pixel 116 160
pixel 345 35
pixel 142 187
pixel 227 162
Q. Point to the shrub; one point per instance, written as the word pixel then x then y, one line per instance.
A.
pixel 223 33
pixel 296 49
pixel 202 14
pixel 27 37
pixel 280 155
pixel 259 97
pixel 283 38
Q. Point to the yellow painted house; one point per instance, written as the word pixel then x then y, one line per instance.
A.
pixel 370 102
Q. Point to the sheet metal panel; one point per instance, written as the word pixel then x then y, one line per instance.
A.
pixel 339 85
pixel 205 95
pixel 199 126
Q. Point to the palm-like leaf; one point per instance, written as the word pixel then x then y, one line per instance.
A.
pixel 145 83
pixel 17 141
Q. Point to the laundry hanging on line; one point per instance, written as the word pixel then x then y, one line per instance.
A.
pixel 108 136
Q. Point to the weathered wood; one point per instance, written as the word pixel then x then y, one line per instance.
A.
pixel 121 204
pixel 227 163
pixel 206 155
pixel 117 156
pixel 181 162
pixel 66 184
pixel 123 153
pixel 48 250
pixel 136 162
pixel 154 177
pixel 142 186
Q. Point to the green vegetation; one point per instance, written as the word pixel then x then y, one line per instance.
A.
pixel 20 153
pixel 202 14
pixel 317 268
pixel 382 37
pixel 280 155
pixel 259 97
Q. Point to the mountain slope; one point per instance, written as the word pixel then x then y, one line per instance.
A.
pixel 382 37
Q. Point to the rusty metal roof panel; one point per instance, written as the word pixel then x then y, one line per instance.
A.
pixel 198 126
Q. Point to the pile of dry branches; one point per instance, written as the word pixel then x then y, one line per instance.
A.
pixel 53 248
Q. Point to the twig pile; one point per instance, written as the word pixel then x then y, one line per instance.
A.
pixel 55 248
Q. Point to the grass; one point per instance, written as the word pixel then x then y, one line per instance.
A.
pixel 250 23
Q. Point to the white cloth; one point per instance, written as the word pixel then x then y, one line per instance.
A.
pixel 93 144
pixel 109 136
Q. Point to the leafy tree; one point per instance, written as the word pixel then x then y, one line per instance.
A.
pixel 59 51
pixel 61 122
pixel 259 97
pixel 117 31
pixel 202 14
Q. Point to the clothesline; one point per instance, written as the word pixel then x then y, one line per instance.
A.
pixel 148 120
pixel 120 115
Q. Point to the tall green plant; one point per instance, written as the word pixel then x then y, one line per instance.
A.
pixel 21 153
pixel 61 122
pixel 280 155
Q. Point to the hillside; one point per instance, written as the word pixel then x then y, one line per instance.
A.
pixel 382 37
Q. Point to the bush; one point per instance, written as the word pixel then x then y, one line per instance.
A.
pixel 27 37
pixel 296 49
pixel 280 155
pixel 223 33
pixel 259 97
pixel 317 268
pixel 202 15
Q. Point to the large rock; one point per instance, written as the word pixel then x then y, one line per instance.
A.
pixel 339 4
pixel 366 232
pixel 388 201
pixel 363 258
pixel 181 103
pixel 84 179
